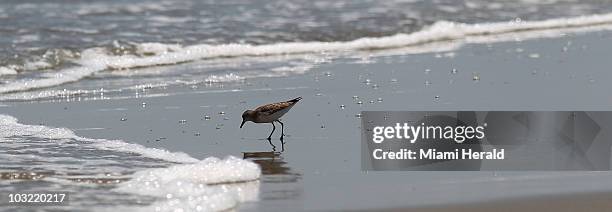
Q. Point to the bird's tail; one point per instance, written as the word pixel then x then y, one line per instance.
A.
pixel 295 100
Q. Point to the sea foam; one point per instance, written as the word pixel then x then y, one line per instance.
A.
pixel 7 71
pixel 211 184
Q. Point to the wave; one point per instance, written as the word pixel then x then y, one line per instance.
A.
pixel 211 184
pixel 97 59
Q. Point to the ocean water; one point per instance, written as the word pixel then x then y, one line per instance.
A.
pixel 77 48
pixel 82 50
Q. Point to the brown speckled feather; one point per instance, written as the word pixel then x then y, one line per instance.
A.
pixel 275 107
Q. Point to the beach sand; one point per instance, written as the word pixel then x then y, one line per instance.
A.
pixel 318 167
pixel 576 202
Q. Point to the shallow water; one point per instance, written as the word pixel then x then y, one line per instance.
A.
pixel 317 166
pixel 161 75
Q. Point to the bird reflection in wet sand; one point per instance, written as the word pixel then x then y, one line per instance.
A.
pixel 283 183
pixel 270 162
pixel 272 166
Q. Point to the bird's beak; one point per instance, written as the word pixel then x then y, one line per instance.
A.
pixel 243 121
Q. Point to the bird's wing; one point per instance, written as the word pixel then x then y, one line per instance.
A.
pixel 273 108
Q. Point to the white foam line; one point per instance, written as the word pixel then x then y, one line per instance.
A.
pixel 65 76
pixel 90 128
pixel 440 31
pixel 10 127
pixel 97 59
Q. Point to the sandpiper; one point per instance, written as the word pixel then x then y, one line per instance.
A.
pixel 269 113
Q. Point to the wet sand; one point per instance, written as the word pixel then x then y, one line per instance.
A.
pixel 577 202
pixel 318 166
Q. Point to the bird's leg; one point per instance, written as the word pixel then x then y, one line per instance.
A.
pixel 282 135
pixel 282 129
pixel 273 147
pixel 273 128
